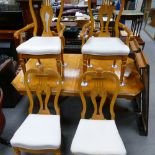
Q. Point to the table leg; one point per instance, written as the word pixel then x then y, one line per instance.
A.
pixel 143 100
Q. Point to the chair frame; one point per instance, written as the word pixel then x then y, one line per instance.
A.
pixel 46 7
pixel 97 90
pixel 40 88
pixel 105 7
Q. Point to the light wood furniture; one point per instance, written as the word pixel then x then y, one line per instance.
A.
pixel 49 45
pixel 137 20
pixel 102 45
pixel 136 79
pixel 74 70
pixel 98 134
pixel 41 132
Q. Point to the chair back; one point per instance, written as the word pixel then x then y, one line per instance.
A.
pixel 100 84
pixel 106 16
pixel 46 14
pixel 43 83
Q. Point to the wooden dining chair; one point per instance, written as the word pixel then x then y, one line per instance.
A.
pixel 104 44
pixel 49 45
pixel 98 135
pixel 41 131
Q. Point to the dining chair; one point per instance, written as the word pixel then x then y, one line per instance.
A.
pixel 98 135
pixel 105 44
pixel 49 45
pixel 41 131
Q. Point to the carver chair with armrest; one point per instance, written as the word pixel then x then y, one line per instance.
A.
pixel 98 135
pixel 49 45
pixel 40 132
pixel 101 44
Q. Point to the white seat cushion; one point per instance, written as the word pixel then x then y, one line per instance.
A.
pixel 105 46
pixel 97 137
pixel 40 46
pixel 38 132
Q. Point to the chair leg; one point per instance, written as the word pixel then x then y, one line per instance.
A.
pixel 123 67
pixel 62 60
pixel 114 64
pixel 17 151
pixel 39 62
pixel 88 62
pixel 84 64
pixel 60 68
pixel 22 63
pixel 58 152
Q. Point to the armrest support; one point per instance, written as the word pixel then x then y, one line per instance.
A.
pixel 17 34
pixel 134 46
pixel 130 35
pixel 130 41
pixel 61 34
pixel 83 33
pixel 62 30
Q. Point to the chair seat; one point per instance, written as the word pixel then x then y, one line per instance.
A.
pixel 97 137
pixel 40 46
pixel 38 132
pixel 105 46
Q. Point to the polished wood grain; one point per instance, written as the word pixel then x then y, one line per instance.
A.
pixel 73 71
pixel 42 85
pixel 106 9
pixel 46 13
pixel 98 86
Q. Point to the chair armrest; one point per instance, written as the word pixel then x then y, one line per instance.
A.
pixel 60 34
pixel 62 30
pixel 130 40
pixel 83 33
pixel 130 35
pixel 134 46
pixel 17 34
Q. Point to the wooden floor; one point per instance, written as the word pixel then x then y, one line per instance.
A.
pixel 73 70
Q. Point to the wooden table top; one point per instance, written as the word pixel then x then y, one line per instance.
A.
pixel 133 83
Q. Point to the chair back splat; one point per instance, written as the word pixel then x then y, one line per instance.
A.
pixel 101 34
pixel 46 13
pixel 49 45
pixel 42 86
pixel 98 135
pixel 100 84
pixel 105 13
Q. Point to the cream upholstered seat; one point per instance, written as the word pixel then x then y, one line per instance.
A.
pixel 40 132
pixel 98 135
pixel 49 45
pixel 105 44
pixel 100 46
pixel 40 46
